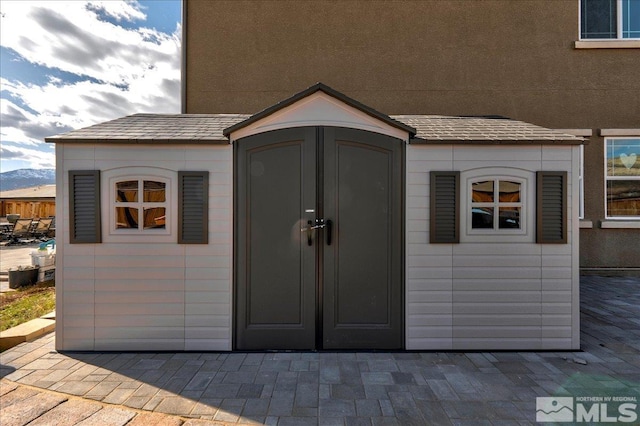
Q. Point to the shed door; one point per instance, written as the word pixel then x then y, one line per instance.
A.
pixel 338 285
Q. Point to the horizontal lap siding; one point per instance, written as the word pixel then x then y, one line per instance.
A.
pixel 149 296
pixel 429 270
pixel 479 295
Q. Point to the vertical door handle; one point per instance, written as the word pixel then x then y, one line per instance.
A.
pixel 320 223
pixel 309 230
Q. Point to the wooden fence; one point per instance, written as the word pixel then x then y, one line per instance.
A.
pixel 28 208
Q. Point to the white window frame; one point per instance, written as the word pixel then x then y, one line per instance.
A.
pixel 619 25
pixel 581 184
pixel 111 233
pixel 607 178
pixel 526 232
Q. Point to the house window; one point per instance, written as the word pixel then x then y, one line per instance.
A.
pixel 609 19
pixel 496 204
pixel 622 178
pixel 140 204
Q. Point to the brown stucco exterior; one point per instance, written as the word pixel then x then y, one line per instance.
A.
pixel 509 58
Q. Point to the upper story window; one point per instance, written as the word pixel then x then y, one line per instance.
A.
pixel 622 178
pixel 609 19
pixel 496 204
pixel 140 204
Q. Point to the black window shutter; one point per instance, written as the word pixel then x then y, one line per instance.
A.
pixel 551 221
pixel 84 206
pixel 445 207
pixel 193 207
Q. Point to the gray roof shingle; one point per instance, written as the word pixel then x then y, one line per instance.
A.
pixel 156 129
pixel 446 129
pixel 208 129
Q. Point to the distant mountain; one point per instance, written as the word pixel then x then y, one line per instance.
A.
pixel 26 178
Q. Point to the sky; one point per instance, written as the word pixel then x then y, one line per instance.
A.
pixel 66 65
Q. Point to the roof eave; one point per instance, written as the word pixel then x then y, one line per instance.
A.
pixel 434 141
pixel 162 141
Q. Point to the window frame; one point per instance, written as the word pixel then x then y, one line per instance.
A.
pixel 496 204
pixel 581 185
pixel 140 204
pixel 608 178
pixel 526 232
pixel 111 233
pixel 619 25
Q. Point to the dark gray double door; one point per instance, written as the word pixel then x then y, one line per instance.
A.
pixel 319 240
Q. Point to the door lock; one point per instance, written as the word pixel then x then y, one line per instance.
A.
pixel 319 224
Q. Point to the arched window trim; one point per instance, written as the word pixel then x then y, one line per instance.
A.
pixel 496 204
pixel 111 232
pixel 526 232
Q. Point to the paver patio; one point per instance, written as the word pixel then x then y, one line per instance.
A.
pixel 354 388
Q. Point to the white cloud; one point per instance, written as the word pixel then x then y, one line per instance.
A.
pixel 26 128
pixel 121 71
pixel 35 158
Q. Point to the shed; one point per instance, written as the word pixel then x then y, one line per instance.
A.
pixel 318 223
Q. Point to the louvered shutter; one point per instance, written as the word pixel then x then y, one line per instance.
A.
pixel 445 207
pixel 193 207
pixel 551 222
pixel 84 206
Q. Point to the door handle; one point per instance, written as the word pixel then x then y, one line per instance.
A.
pixel 310 227
pixel 320 223
pixel 308 230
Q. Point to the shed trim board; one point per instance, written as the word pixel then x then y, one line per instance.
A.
pixel 491 286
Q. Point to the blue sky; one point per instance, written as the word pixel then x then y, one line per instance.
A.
pixel 69 64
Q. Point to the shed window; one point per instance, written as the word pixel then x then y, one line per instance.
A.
pixel 140 205
pixel 496 204
pixel 622 176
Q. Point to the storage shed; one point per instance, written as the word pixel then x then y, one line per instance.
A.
pixel 318 223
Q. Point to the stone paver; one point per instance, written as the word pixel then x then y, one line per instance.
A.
pixel 25 410
pixel 326 388
pixel 70 412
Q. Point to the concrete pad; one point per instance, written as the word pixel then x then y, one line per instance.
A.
pixel 16 255
pixel 25 332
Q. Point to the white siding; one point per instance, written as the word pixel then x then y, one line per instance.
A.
pixel 140 295
pixel 489 293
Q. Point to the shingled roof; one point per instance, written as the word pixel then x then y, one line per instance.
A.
pixel 209 129
pixel 446 129
pixel 156 129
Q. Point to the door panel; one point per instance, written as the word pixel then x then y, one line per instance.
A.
pixel 275 307
pixel 274 280
pixel 362 283
pixel 343 295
